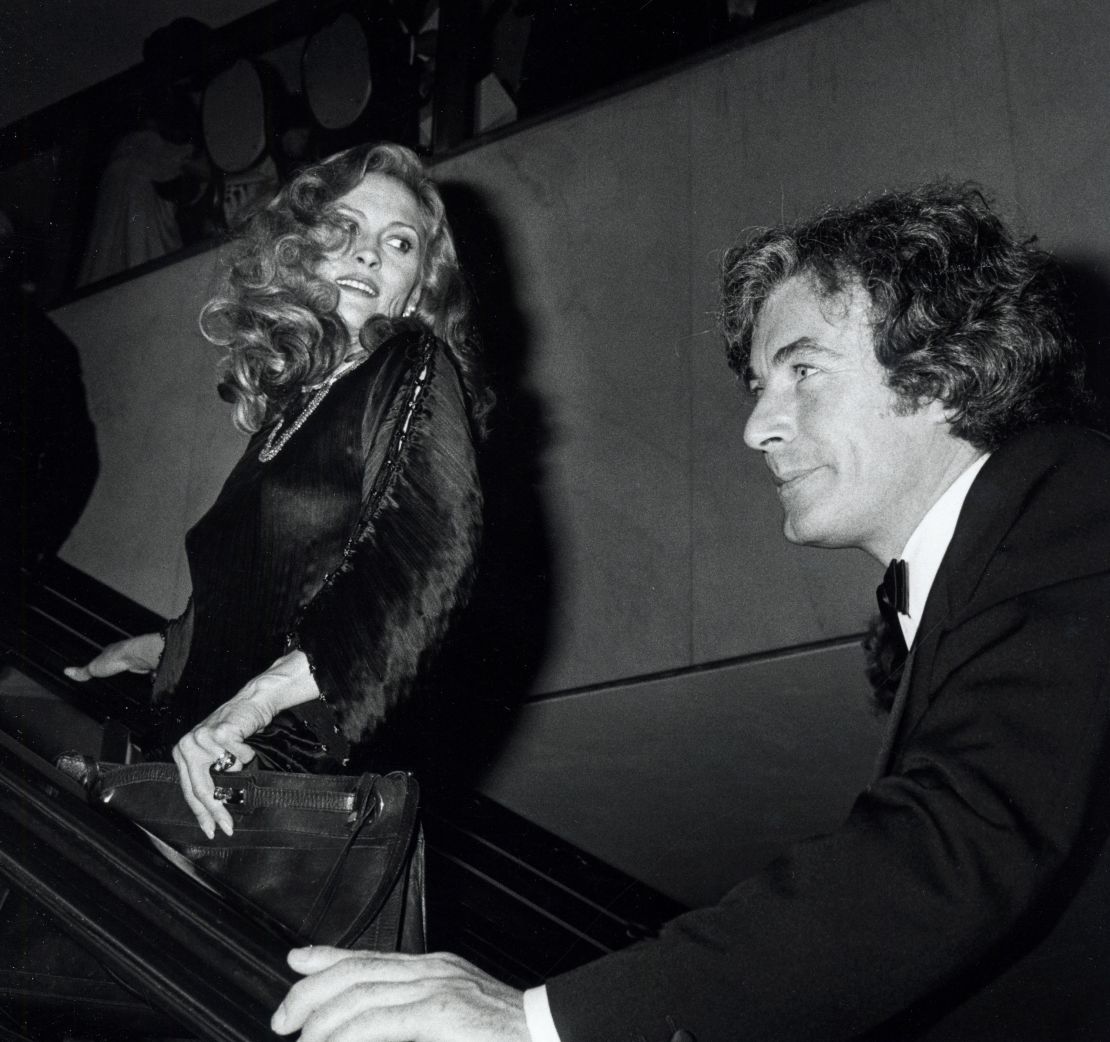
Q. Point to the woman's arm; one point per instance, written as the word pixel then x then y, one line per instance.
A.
pixel 409 566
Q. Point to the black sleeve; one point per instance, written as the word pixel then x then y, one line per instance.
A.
pixel 410 564
pixel 178 637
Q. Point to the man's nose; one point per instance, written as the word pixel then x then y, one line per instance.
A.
pixel 771 422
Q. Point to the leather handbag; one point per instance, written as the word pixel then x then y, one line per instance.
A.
pixel 335 859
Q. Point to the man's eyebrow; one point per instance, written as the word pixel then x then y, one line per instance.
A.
pixel 783 355
pixel 803 343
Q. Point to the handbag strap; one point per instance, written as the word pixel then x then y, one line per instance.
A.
pixel 369 802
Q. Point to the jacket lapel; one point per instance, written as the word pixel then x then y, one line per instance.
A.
pixel 993 503
pixel 894 720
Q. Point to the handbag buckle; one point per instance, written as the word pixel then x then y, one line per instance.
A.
pixel 230 795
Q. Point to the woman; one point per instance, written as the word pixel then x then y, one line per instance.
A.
pixel 326 571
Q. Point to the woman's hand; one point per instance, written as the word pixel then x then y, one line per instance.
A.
pixel 135 655
pixel 222 736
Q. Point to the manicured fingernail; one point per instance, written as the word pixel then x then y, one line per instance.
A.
pixel 209 831
pixel 277 1021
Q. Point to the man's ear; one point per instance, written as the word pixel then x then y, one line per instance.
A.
pixel 939 413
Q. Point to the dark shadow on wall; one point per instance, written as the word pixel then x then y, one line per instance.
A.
pixel 1087 285
pixel 48 454
pixel 498 644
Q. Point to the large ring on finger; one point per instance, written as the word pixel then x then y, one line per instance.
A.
pixel 226 761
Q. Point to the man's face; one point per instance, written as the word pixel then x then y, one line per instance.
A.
pixel 849 468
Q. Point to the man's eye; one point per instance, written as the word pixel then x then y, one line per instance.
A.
pixel 755 389
pixel 803 369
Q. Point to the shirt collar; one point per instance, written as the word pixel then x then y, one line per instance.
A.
pixel 926 547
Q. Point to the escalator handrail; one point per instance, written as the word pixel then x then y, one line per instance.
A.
pixel 183 949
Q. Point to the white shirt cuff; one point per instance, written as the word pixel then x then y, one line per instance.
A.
pixel 538 1015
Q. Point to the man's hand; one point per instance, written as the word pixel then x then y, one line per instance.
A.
pixel 387 997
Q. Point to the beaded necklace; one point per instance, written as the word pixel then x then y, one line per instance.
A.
pixel 274 444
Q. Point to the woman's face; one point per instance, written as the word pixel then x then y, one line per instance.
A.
pixel 377 272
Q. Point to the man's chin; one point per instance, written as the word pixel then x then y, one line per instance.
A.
pixel 791 531
pixel 806 532
pixel 793 537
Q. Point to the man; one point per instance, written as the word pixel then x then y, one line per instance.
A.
pixel 907 358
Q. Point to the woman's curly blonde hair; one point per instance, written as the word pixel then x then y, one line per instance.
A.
pixel 277 319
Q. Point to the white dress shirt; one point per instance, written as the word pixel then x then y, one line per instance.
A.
pixel 926 547
pixel 538 1014
pixel 923 554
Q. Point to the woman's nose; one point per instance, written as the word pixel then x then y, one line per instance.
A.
pixel 365 253
pixel 770 422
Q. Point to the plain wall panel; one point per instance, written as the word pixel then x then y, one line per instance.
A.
pixel 691 782
pixel 1056 81
pixel 165 440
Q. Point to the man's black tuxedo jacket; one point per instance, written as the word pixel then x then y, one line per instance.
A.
pixel 967 896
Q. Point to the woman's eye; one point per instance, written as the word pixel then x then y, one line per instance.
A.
pixel 399 242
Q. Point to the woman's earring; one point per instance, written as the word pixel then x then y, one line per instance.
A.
pixel 410 310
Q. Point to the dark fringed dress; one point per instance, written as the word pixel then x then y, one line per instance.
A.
pixel 354 543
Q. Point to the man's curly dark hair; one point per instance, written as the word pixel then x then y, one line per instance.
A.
pixel 962 311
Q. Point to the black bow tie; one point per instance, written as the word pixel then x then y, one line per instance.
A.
pixel 895 587
pixel 893 595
